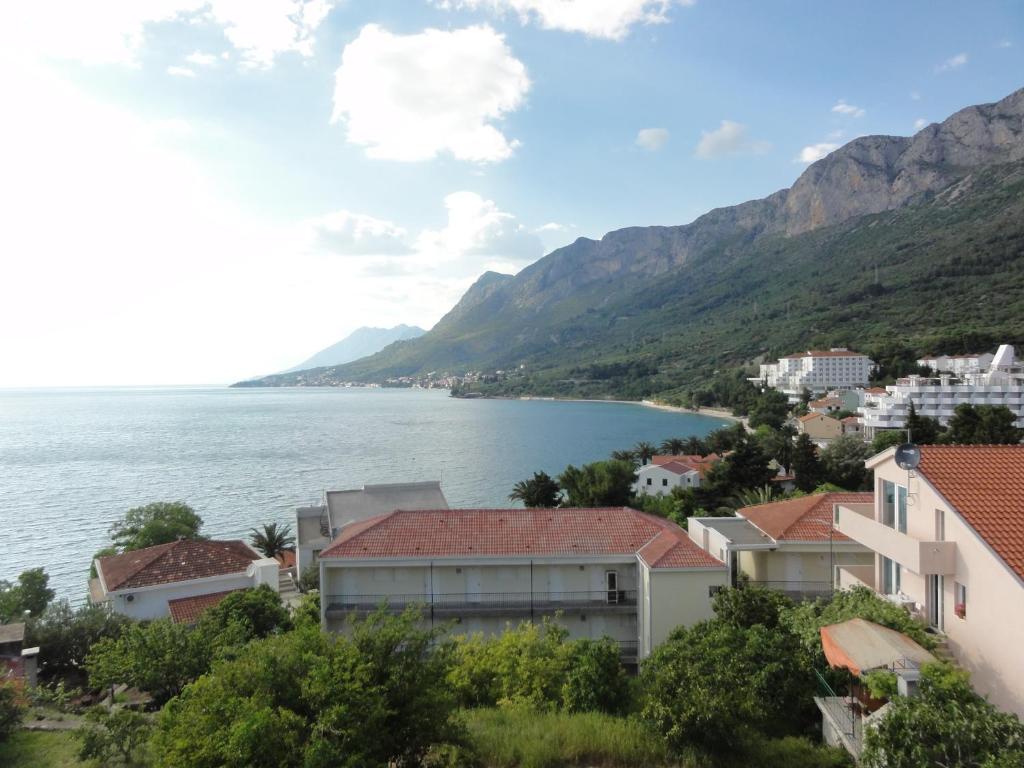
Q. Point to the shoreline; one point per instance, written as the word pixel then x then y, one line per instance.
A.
pixel 717 413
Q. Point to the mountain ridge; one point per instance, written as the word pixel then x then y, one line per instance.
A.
pixel 363 341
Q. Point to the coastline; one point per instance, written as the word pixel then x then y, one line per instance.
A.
pixel 718 413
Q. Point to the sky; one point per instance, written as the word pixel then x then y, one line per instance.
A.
pixel 199 191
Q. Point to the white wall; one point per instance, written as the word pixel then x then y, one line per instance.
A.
pixel 152 603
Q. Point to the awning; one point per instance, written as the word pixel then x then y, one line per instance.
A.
pixel 860 646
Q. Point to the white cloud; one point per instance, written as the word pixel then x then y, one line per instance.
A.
pixel 413 97
pixel 552 226
pixel 953 62
pixel 477 227
pixel 201 59
pixel 813 152
pixel 920 123
pixel 915 96
pixel 651 139
pixel 1004 44
pixel 114 32
pixel 842 108
pixel 729 138
pixel 348 233
pixel 609 19
pixel 180 72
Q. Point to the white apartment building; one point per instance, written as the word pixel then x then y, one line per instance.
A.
pixel 816 370
pixel 1001 384
pixel 958 364
pixel 608 572
pixel 660 479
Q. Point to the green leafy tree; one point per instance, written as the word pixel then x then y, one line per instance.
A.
pixel 115 737
pixel 310 579
pixel 258 612
pixel 541 490
pixel 158 523
pixel 806 465
pixel 778 444
pixel 644 451
pixel 600 484
pixel 747 606
pixel 947 724
pixel 843 461
pixel 694 446
pixel 28 597
pixel 746 467
pixel 771 408
pixel 625 456
pixel 595 680
pixel 12 709
pixel 982 425
pixel 887 439
pixel 673 446
pixel 924 430
pixel 726 438
pixel 273 540
pixel 64 636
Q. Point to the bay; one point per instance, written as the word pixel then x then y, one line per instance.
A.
pixel 73 461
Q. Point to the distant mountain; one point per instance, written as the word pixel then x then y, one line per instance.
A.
pixel 918 240
pixel 360 343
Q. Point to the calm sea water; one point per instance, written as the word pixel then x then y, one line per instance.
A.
pixel 72 461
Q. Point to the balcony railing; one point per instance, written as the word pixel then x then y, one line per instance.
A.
pixel 494 602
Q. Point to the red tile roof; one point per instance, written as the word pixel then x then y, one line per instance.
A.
pixel 521 532
pixel 187 610
pixel 182 560
pixel 807 518
pixel 985 483
pixel 675 467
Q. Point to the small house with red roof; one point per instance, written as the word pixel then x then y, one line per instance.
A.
pixel 179 579
pixel 788 545
pixel 612 572
pixel 947 538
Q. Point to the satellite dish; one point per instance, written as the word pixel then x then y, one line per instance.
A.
pixel 908 456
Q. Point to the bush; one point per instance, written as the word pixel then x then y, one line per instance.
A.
pixel 12 708
pixel 743 607
pixel 258 612
pixel 595 680
pixel 64 636
pixel 310 579
pixel 119 736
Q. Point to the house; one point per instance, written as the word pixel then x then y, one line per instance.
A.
pixel 937 397
pixel 660 479
pixel 825 405
pixel 948 544
pixel 817 371
pixel 612 572
pixel 820 428
pixel 957 364
pixel 851 425
pixel 151 583
pixel 316 526
pixel 17 662
pixel 787 545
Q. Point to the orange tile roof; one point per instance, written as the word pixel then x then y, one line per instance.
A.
pixel 675 467
pixel 806 518
pixel 811 416
pixel 187 610
pixel 182 560
pixel 521 532
pixel 985 484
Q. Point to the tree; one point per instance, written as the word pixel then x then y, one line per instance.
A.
pixel 539 491
pixel 771 408
pixel 625 456
pixel 644 451
pixel 694 446
pixel 887 439
pixel 258 612
pixel 744 607
pixel 64 635
pixel 778 444
pixel 752 496
pixel 982 425
pixel 806 465
pixel 272 541
pixel 843 461
pixel 924 430
pixel 947 724
pixel 12 708
pixel 600 484
pixel 310 579
pixel 747 466
pixel 158 523
pixel 29 597
pixel 595 680
pixel 114 737
pixel 672 445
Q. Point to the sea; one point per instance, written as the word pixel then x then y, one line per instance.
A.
pixel 72 461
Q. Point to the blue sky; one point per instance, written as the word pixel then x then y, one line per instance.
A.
pixel 202 190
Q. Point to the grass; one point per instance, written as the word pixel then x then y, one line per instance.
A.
pixel 40 749
pixel 520 738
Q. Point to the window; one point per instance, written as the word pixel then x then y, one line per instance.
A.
pixel 890 576
pixel 888 503
pixel 960 599
pixel 664 481
pixel 901 509
pixel 649 481
pixel 940 525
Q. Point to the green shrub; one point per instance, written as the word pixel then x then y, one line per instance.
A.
pixel 117 737
pixel 595 680
pixel 881 683
pixel 12 709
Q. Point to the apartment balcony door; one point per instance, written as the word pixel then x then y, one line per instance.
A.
pixel 611 579
pixel 933 601
pixel 473 577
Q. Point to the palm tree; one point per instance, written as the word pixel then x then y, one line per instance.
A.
pixel 272 541
pixel 752 496
pixel 539 491
pixel 624 456
pixel 673 445
pixel 694 446
pixel 644 451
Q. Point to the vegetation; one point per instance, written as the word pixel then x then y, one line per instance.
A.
pixel 843 462
pixel 64 636
pixel 157 523
pixel 982 424
pixel 12 708
pixel 273 540
pixel 539 491
pixel 600 484
pixel 28 597
pixel 117 737
pixel 947 724
pixel 40 749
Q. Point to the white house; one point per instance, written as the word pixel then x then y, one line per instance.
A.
pixel 660 479
pixel 179 579
pixel 958 364
pixel 816 370
pixel 609 572
pixel 316 526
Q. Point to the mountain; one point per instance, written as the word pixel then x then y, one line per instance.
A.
pixel 360 343
pixel 917 239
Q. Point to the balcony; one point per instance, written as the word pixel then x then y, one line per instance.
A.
pixel 488 603
pixel 921 557
pixel 797 590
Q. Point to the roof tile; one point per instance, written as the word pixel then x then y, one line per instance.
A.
pixel 806 518
pixel 187 610
pixel 181 560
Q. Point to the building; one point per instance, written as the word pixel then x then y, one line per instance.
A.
pixel 612 572
pixel 17 662
pixel 937 397
pixel 660 479
pixel 851 425
pixel 787 545
pixel 826 405
pixel 820 428
pixel 957 364
pixel 316 526
pixel 817 371
pixel 179 579
pixel 948 539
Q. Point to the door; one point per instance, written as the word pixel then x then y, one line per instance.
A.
pixel 473 584
pixel 612 586
pixel 933 599
pixel 794 570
